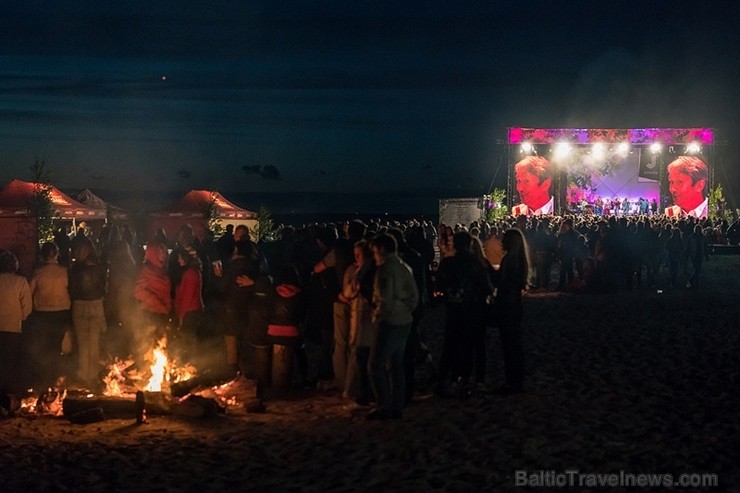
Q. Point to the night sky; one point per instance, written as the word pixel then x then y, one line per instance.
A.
pixel 334 95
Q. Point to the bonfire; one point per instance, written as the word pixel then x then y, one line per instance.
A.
pixel 166 385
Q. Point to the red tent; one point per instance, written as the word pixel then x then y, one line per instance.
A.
pixel 18 226
pixel 193 209
pixel 15 201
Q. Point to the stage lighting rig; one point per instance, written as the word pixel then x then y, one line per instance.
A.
pixel 693 148
pixel 527 149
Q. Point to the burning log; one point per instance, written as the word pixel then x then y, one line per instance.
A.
pixel 208 379
pixel 114 407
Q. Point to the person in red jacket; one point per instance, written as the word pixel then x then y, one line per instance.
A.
pixel 152 292
pixel 188 302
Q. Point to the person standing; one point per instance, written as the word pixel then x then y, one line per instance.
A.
pixel 15 307
pixel 287 317
pixel 51 316
pixel 567 245
pixel 341 308
pixel 362 331
pixel 152 290
pixel 510 283
pixel 87 286
pixel 120 305
pixel 464 281
pixel 395 298
pixel 188 302
pixel 323 290
pixel 695 251
pixel 675 250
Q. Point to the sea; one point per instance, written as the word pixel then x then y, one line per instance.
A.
pixel 298 208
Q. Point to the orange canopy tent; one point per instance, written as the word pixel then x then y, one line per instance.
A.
pixel 193 209
pixel 16 196
pixel 18 225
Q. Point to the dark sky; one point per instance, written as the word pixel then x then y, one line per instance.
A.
pixel 342 96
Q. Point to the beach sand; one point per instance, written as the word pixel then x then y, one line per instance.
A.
pixel 638 382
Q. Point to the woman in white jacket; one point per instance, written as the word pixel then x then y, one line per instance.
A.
pixel 15 306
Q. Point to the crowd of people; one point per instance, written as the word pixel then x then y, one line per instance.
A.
pixel 354 291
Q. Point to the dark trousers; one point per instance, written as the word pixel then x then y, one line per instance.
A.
pixel 42 340
pixel 365 389
pixel 11 374
pixel 511 344
pixel 479 343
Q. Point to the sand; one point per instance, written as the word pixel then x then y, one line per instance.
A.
pixel 640 382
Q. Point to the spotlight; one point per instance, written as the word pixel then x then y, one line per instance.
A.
pixel 693 148
pixel 597 150
pixel 655 147
pixel 527 148
pixel 562 150
pixel 623 148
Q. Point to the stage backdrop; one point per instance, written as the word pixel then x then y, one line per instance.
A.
pixel 614 177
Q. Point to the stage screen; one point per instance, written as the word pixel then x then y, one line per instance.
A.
pixel 610 171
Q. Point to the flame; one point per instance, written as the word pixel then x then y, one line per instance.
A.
pixel 49 402
pixel 122 379
pixel 115 377
pixel 158 367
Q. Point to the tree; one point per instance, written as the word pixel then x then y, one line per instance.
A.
pixel 265 229
pixel 212 217
pixel 718 204
pixel 494 206
pixel 41 204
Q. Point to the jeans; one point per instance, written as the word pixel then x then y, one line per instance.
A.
pixel 386 367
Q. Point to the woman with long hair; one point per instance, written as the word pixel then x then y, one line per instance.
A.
pixel 188 302
pixel 87 287
pixel 512 280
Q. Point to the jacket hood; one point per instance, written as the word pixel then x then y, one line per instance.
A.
pixel 287 290
pixel 151 255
